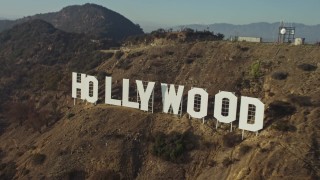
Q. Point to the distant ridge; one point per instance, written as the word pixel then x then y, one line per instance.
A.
pixel 90 19
pixel 268 31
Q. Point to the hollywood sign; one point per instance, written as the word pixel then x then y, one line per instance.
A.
pixel 85 87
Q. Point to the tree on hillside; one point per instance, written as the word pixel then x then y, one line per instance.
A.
pixel 159 33
pixel 220 36
pixel 188 30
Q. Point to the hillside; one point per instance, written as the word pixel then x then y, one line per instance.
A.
pixel 35 55
pixel 94 20
pixel 103 141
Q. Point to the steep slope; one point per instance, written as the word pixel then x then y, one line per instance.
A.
pixel 35 55
pixel 89 19
pixel 91 141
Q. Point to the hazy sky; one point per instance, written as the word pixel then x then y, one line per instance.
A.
pixel 179 12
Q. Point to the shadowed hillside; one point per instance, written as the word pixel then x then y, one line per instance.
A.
pixel 36 56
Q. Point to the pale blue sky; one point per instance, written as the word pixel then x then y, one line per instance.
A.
pixel 179 12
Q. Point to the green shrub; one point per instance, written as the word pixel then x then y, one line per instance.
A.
pixel 279 75
pixel 188 60
pixel 25 171
pixel 74 175
pixel 263 150
pixel 279 109
pixel 8 170
pixel 212 163
pixel 2 154
pixel 231 139
pixel 284 126
pixel 70 115
pixel 244 149
pixel 38 159
pixel 124 64
pixel 255 69
pixel 102 75
pixel 105 175
pixel 169 147
pixel 118 54
pixel 300 100
pixel 170 53
pixel 307 67
pixel 244 49
pixel 227 162
pixel 135 54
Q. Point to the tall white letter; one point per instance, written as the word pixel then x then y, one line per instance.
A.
pixel 108 91
pixel 78 85
pixel 203 106
pixel 94 96
pixel 145 94
pixel 259 113
pixel 125 95
pixel 171 98
pixel 232 109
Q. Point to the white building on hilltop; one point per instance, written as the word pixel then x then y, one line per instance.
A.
pixel 249 39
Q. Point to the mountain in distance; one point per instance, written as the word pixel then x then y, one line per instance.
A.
pixel 268 31
pixel 90 19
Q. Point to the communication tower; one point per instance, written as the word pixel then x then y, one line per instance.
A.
pixel 286 33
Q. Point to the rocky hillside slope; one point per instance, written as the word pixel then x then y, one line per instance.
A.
pixel 91 19
pixel 100 141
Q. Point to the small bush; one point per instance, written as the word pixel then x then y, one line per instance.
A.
pixel 38 159
pixel 172 36
pixel 124 64
pixel 263 150
pixel 2 154
pixel 8 170
pixel 19 154
pixel 75 175
pixel 284 126
pixel 135 54
pixel 25 171
pixel 307 67
pixel 70 115
pixel 102 75
pixel 244 49
pixel 300 100
pixel 118 54
pixel 279 109
pixel 279 75
pixel 255 69
pixel 169 147
pixel 231 139
pixel 244 149
pixel 212 163
pixel 188 60
pixel 227 162
pixel 105 175
pixel 170 53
